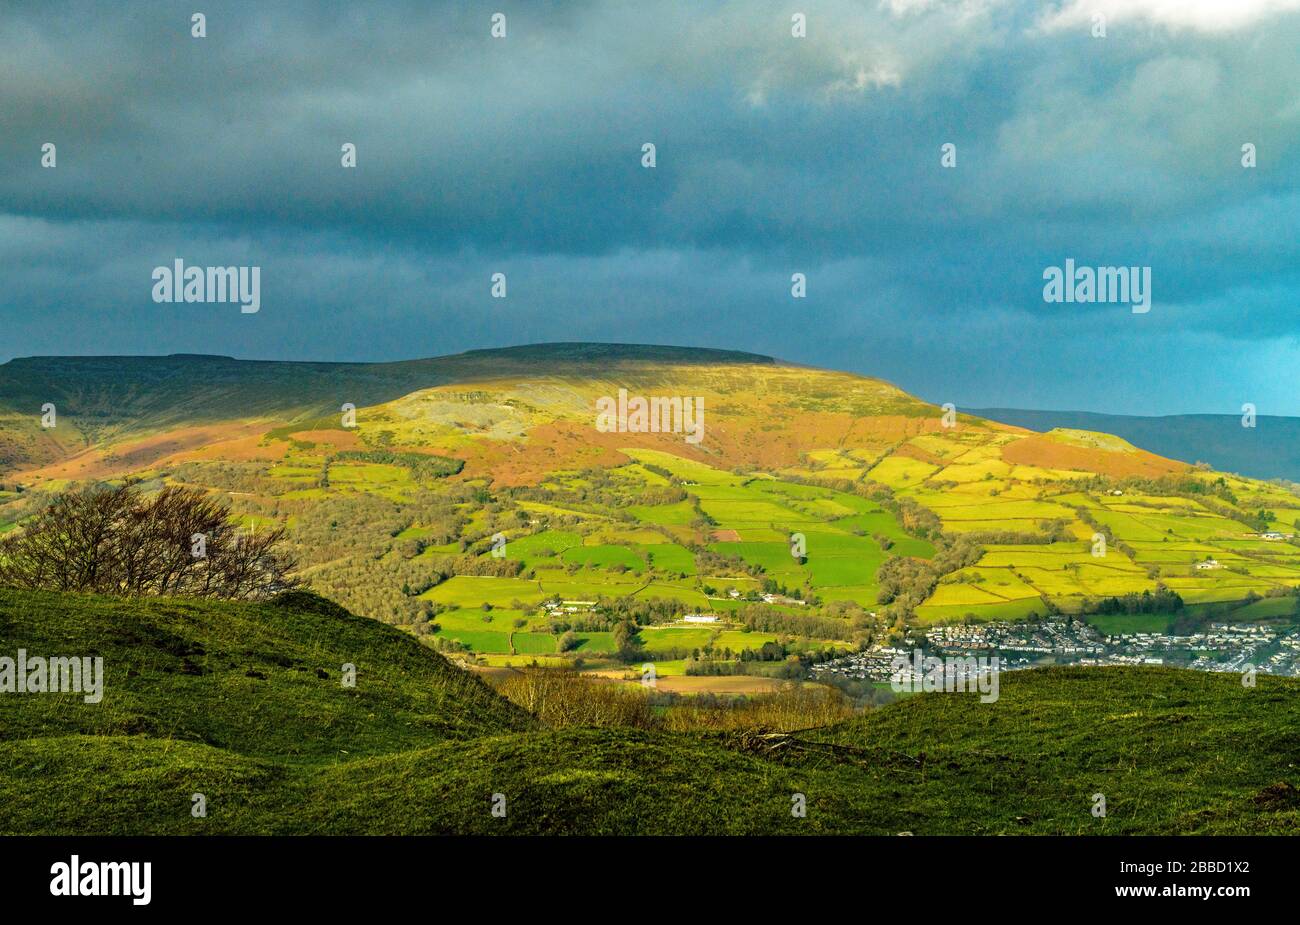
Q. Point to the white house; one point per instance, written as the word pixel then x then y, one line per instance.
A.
pixel 700 618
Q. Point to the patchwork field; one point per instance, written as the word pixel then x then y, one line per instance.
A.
pixel 473 503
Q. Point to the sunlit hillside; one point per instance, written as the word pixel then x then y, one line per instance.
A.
pixel 474 501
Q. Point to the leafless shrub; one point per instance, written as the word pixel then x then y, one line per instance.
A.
pixel 117 541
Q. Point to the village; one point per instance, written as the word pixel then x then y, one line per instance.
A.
pixel 1227 647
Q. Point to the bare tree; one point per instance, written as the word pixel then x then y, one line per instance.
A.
pixel 118 541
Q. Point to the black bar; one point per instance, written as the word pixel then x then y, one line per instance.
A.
pixel 327 875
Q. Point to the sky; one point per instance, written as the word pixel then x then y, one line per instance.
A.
pixel 774 155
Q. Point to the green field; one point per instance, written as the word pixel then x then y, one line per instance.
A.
pixel 603 556
pixel 1119 624
pixel 656 639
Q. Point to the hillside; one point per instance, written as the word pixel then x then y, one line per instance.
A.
pixel 199 671
pixel 1269 450
pixel 117 414
pixel 242 703
pixel 474 495
pixel 105 399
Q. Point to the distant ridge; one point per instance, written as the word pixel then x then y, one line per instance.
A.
pixel 572 351
pixel 1269 450
pixel 579 351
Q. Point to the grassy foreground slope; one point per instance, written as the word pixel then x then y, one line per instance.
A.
pixel 260 679
pixel 229 701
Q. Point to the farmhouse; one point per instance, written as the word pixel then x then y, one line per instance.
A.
pixel 1209 564
pixel 569 606
pixel 781 599
pixel 700 618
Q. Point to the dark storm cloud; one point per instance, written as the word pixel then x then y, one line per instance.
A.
pixel 775 155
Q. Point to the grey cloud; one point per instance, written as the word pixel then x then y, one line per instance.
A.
pixel 775 155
